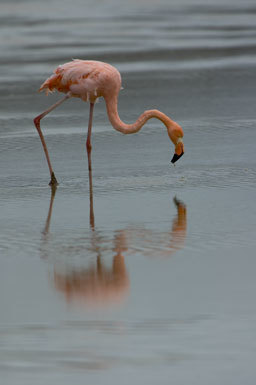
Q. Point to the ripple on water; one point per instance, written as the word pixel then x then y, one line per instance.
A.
pixel 221 176
pixel 75 343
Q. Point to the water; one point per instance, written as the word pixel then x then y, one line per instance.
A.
pixel 146 274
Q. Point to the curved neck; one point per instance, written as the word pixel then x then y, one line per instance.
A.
pixel 119 125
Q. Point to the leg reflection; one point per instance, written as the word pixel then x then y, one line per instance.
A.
pixel 48 219
pixel 92 220
pixel 98 284
pixel 45 232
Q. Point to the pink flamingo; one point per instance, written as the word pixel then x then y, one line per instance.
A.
pixel 90 80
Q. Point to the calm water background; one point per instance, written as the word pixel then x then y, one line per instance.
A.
pixel 161 289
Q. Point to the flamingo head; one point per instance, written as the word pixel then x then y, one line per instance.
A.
pixel 175 133
pixel 179 150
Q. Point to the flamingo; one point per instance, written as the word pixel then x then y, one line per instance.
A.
pixel 89 80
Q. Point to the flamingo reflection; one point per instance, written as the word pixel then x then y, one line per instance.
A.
pixel 97 284
pixel 101 284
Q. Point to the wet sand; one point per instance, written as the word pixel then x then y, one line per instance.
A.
pixel 146 274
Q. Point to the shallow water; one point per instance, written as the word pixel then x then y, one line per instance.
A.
pixel 148 273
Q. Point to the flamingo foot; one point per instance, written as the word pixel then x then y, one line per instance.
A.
pixel 53 181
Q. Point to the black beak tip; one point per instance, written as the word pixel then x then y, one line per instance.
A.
pixel 176 157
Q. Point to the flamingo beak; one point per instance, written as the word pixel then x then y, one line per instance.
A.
pixel 176 157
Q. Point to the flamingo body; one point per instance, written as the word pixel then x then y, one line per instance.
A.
pixel 85 79
pixel 89 80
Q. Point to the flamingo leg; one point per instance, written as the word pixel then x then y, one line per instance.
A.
pixel 53 181
pixel 88 141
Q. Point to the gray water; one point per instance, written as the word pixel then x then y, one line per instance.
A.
pixel 146 275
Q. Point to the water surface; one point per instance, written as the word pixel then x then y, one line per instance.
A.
pixel 144 273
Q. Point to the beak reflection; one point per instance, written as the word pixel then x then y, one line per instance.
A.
pixel 176 157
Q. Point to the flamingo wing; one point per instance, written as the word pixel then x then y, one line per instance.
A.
pixel 81 78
